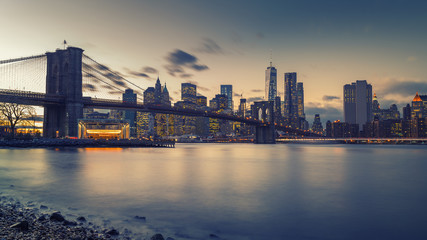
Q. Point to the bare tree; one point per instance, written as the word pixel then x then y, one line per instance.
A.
pixel 14 113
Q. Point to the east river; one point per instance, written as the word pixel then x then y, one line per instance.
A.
pixel 232 191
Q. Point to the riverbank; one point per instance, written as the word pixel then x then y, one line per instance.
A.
pixel 24 221
pixel 55 142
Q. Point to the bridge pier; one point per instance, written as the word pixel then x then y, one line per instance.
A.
pixel 64 78
pixel 264 133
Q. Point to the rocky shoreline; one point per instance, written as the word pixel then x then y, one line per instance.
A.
pixel 18 221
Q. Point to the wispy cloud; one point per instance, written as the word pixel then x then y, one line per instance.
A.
pixel 257 90
pixel 327 98
pixel 210 46
pixel 179 60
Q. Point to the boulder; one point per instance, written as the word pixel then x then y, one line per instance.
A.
pixel 113 232
pixel 157 236
pixel 23 226
pixel 56 216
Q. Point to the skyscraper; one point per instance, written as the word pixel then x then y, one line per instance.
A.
pixel 188 92
pixel 358 102
pixel 130 97
pixel 291 99
pixel 242 107
pixel 270 83
pixel 317 124
pixel 227 90
pixel 300 100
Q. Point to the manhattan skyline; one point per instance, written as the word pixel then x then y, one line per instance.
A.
pixel 328 44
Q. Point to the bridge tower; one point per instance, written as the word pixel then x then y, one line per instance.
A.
pixel 265 133
pixel 64 78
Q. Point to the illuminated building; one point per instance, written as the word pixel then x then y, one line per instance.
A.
pixel 149 96
pixel 242 107
pixel 144 124
pixel 417 107
pixel 201 101
pixel 270 83
pixel 130 116
pixel 300 100
pixel 384 114
pixel 418 116
pixel 291 100
pixel 278 110
pixel 103 129
pixel 188 92
pixel 185 125
pixel 227 90
pixel 156 124
pixel 358 102
pixel 317 124
pixel 406 121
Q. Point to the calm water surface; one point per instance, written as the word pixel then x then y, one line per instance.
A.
pixel 235 191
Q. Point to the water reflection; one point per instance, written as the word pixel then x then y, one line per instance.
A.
pixel 241 190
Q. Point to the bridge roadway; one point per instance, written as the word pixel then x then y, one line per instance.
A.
pixel 42 99
pixel 355 140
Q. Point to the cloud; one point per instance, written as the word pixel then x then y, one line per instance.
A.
pixel 327 98
pixel 326 113
pixel 138 74
pixel 205 89
pixel 257 90
pixel 89 87
pixel 179 59
pixel 260 35
pixel 210 46
pixel 115 92
pixel 254 99
pixel 404 88
pixel 148 69
pixel 102 67
pixel 412 59
pixel 173 69
pixel 185 75
pixel 237 95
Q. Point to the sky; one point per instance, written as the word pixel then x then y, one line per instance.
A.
pixel 209 43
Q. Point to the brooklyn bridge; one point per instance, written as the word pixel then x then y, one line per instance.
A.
pixel 65 82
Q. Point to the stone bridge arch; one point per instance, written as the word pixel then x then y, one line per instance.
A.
pixel 265 132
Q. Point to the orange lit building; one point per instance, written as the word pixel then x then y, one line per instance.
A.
pixel 104 129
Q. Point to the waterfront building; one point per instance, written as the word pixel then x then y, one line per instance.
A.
pixel 227 90
pixel 328 129
pixel 130 97
pixel 300 100
pixel 242 108
pixel 293 108
pixel 278 110
pixel 384 114
pixel 317 124
pixel 270 83
pixel 418 116
pixel 201 101
pixel 358 102
pixel 188 92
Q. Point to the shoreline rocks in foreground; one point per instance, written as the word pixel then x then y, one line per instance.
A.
pixel 20 222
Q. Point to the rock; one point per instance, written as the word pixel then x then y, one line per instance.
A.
pixel 169 238
pixel 23 226
pixel 213 235
pixel 157 236
pixel 56 216
pixel 43 207
pixel 140 218
pixel 12 186
pixel 41 218
pixel 69 223
pixel 81 219
pixel 113 232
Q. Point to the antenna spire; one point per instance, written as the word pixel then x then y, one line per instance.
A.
pixel 271 58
